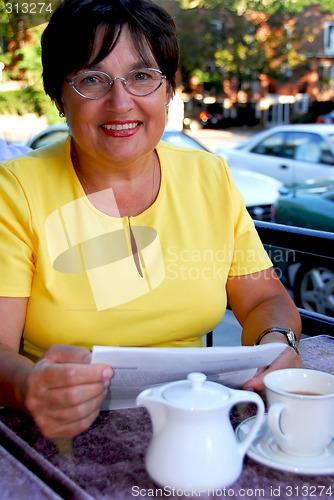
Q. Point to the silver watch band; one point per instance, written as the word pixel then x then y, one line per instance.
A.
pixel 287 332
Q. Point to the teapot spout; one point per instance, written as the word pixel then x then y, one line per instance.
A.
pixel 155 408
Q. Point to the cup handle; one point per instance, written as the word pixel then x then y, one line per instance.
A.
pixel 274 421
pixel 250 397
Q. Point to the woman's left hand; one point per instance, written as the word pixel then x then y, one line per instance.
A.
pixel 287 359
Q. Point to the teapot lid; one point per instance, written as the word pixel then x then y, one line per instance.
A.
pixel 196 393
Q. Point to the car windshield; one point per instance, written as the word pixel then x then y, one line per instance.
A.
pixel 49 138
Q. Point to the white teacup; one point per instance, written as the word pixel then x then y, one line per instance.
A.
pixel 300 409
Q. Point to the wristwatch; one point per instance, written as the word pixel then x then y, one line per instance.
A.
pixel 287 332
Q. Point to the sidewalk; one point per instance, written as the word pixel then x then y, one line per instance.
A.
pixel 229 137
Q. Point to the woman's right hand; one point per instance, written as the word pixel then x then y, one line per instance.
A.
pixel 64 392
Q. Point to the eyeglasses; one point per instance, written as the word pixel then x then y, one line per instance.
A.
pixel 93 84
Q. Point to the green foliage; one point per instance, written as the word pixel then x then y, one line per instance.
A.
pixel 30 58
pixel 268 6
pixel 29 100
pixel 218 39
pixel 224 35
pixel 24 63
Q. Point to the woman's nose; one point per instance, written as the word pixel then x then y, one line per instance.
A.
pixel 118 97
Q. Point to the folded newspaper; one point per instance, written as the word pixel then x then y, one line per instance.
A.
pixel 136 369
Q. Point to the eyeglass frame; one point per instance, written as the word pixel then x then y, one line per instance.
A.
pixel 112 80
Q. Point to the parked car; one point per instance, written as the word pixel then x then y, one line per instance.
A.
pixel 259 191
pixel 198 114
pixel 212 115
pixel 289 153
pixel 309 205
pixel 327 118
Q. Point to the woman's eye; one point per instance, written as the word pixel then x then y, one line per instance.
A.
pixel 141 76
pixel 91 80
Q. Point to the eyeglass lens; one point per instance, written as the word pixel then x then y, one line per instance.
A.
pixel 96 84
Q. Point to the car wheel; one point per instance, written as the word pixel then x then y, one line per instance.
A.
pixel 313 288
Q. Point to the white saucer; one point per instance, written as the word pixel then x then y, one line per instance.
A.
pixel 265 451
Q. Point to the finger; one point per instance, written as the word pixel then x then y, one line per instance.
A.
pixel 47 376
pixel 73 396
pixel 287 359
pixel 69 422
pixel 70 429
pixel 60 353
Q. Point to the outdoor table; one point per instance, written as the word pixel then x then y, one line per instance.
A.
pixel 107 461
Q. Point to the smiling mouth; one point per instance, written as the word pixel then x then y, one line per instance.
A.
pixel 121 126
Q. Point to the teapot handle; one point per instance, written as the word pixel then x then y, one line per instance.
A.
pixel 249 397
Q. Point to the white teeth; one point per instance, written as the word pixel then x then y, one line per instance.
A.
pixel 119 126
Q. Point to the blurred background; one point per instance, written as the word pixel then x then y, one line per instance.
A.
pixel 243 63
pixel 255 85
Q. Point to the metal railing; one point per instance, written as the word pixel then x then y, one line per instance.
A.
pixel 314 243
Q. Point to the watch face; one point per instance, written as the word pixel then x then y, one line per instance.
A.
pixel 287 332
pixel 291 338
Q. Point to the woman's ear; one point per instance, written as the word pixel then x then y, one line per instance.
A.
pixel 60 108
pixel 169 95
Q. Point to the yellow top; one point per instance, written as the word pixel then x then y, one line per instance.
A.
pixel 156 279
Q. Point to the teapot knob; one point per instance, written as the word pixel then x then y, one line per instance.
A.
pixel 196 380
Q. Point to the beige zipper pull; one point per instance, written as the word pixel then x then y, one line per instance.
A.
pixel 134 249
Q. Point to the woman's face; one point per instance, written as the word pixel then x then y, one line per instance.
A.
pixel 119 129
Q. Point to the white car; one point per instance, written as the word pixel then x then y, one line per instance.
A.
pixel 289 153
pixel 259 191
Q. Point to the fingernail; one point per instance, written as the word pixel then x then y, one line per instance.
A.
pixel 107 374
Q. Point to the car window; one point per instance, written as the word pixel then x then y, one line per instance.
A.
pixel 307 147
pixel 310 148
pixel 274 145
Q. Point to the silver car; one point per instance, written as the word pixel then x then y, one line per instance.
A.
pixel 289 153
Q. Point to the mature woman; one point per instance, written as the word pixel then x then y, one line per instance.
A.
pixel 111 238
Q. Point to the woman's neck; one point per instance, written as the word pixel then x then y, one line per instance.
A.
pixel 119 192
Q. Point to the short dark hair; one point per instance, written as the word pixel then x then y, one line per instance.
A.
pixel 68 40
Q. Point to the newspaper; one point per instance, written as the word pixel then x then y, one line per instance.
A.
pixel 136 369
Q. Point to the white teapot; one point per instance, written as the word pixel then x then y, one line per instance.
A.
pixel 193 445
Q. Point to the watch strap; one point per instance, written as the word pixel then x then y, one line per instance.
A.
pixel 287 332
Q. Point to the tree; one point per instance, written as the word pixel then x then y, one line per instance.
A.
pixel 219 39
pixel 20 51
pixel 30 58
pixel 243 6
pixel 239 39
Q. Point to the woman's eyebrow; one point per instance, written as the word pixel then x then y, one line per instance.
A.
pixel 137 65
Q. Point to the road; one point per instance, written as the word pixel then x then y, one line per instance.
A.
pixel 211 138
